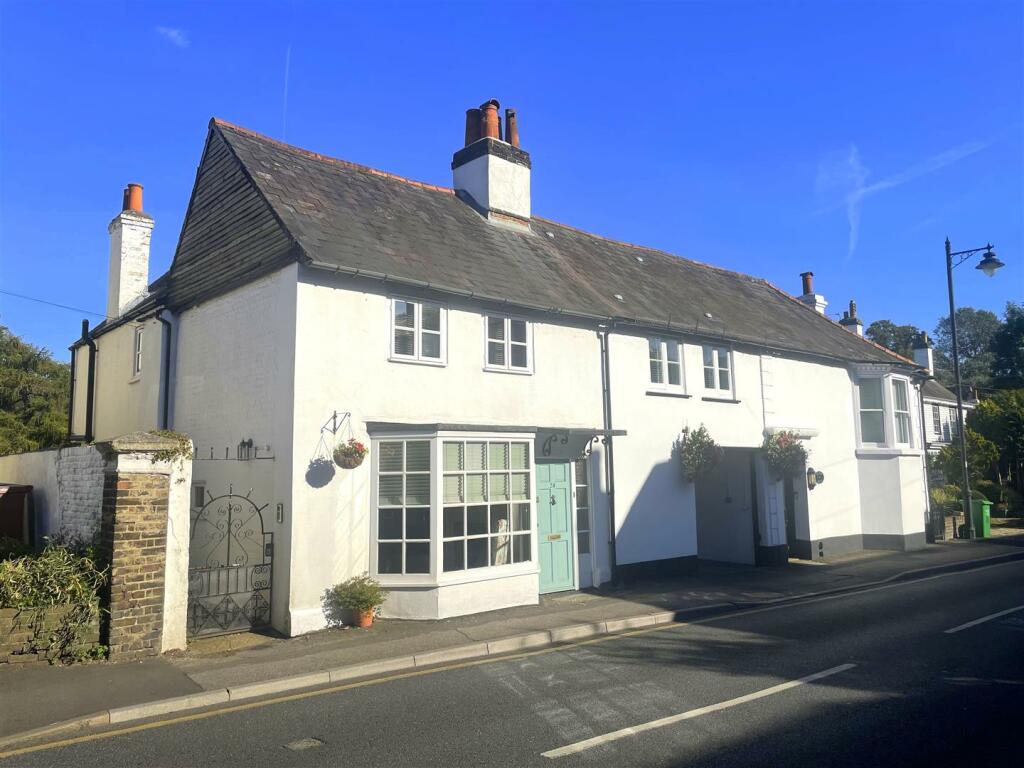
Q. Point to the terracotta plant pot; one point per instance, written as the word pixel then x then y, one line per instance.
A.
pixel 347 462
pixel 364 619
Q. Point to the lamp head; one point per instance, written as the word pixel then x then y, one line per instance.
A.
pixel 990 262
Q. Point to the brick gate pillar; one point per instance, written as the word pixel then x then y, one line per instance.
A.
pixel 142 534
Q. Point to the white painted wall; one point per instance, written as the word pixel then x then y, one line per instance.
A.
pixel 235 374
pixel 128 276
pixel 496 183
pixel 892 493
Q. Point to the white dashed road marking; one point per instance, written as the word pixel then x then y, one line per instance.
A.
pixel 983 619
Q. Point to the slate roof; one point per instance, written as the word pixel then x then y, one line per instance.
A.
pixel 932 390
pixel 339 215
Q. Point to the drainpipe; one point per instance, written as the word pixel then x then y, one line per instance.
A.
pixel 165 384
pixel 90 387
pixel 609 463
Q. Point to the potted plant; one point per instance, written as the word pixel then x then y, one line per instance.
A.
pixel 698 453
pixel 360 595
pixel 784 454
pixel 350 455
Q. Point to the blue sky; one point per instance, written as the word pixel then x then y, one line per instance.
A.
pixel 768 137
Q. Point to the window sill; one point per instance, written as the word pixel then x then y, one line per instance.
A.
pixel 667 393
pixel 454 578
pixel 135 379
pixel 712 399
pixel 513 371
pixel 868 452
pixel 414 361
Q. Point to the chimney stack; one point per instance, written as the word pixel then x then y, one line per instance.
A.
pixel 809 297
pixel 923 354
pixel 490 172
pixel 851 322
pixel 130 233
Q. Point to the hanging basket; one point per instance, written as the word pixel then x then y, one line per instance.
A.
pixel 349 455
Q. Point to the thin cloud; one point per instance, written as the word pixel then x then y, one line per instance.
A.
pixel 173 36
pixel 846 172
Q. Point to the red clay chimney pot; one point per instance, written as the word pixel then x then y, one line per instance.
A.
pixel 135 197
pixel 511 127
pixel 490 123
pixel 808 280
pixel 472 125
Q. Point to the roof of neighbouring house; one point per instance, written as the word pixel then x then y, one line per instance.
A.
pixel 932 390
pixel 259 204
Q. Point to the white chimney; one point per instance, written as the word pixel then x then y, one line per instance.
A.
pixel 810 298
pixel 130 233
pixel 923 354
pixel 850 321
pixel 491 173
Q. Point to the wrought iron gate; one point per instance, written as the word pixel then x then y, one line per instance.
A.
pixel 230 567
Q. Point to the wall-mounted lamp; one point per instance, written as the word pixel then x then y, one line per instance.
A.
pixel 814 478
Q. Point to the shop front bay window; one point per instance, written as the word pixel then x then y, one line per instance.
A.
pixel 453 508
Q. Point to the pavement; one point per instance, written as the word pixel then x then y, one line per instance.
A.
pixel 917 671
pixel 243 666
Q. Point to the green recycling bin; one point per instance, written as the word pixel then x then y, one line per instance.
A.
pixel 981 516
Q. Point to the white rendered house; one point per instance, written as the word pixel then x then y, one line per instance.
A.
pixel 520 385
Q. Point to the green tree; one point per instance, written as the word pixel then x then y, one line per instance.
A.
pixel 898 338
pixel 33 396
pixel 982 458
pixel 1000 419
pixel 975 330
pixel 1008 348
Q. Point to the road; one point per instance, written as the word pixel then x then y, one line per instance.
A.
pixel 895 687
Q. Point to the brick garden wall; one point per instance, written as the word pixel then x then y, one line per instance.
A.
pixel 25 635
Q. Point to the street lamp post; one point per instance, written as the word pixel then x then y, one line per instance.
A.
pixel 989 264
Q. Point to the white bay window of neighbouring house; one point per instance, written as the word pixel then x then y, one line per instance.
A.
pixel 417 331
pixel 901 410
pixel 508 344
pixel 487 515
pixel 872 411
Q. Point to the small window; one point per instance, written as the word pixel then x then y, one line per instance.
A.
pixel 872 411
pixel 508 344
pixel 717 369
pixel 582 487
pixel 403 506
pixel 198 496
pixel 954 424
pixel 666 363
pixel 137 352
pixel 417 331
pixel 901 410
pixel 937 422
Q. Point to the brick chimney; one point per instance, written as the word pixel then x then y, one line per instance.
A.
pixel 491 172
pixel 809 297
pixel 923 354
pixel 130 231
pixel 851 321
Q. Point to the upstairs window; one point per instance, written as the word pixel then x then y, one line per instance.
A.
pixel 508 344
pixel 666 363
pixel 137 352
pixel 901 410
pixel 872 411
pixel 717 369
pixel 417 331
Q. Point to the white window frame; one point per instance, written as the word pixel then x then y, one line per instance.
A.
pixel 507 330
pixel 937 422
pixel 404 506
pixel 418 331
pixel 438 577
pixel 716 368
pixel 137 352
pixel 589 506
pixel 663 346
pixel 890 442
pixel 894 382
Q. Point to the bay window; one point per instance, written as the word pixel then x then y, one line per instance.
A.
pixel 872 412
pixel 901 410
pixel 885 412
pixel 450 506
pixel 417 331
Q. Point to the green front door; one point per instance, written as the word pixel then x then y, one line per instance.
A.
pixel 554 527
